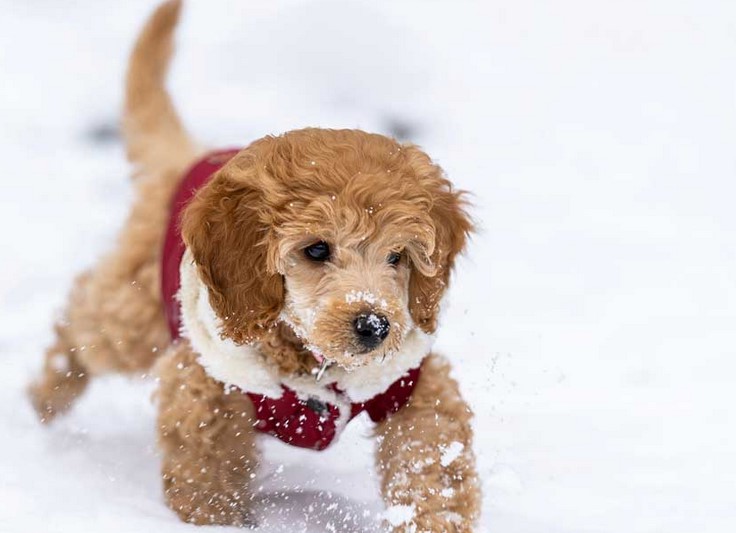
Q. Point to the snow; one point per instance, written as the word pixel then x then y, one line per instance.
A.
pixel 365 296
pixel 591 326
pixel 399 514
pixel 451 452
pixel 447 492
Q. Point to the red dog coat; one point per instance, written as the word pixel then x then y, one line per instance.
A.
pixel 304 423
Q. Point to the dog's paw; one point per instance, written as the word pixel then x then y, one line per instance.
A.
pixel 204 508
pixel 440 522
pixel 217 515
pixel 55 392
pixel 44 408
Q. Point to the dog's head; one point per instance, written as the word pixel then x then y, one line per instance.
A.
pixel 347 237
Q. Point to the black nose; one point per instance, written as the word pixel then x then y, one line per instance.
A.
pixel 371 329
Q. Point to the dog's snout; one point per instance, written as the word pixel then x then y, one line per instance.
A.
pixel 371 329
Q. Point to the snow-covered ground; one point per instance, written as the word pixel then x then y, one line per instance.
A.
pixel 592 324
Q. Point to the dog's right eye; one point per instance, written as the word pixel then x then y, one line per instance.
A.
pixel 319 251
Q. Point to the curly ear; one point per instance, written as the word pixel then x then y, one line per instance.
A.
pixel 452 225
pixel 226 228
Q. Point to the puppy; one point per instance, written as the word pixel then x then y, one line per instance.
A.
pixel 279 289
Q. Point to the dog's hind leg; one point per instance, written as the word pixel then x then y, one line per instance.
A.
pixel 426 460
pixel 113 323
pixel 208 443
pixel 114 320
pixel 62 379
pixel 64 375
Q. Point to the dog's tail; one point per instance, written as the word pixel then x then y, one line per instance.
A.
pixel 154 135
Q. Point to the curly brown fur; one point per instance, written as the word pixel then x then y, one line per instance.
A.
pixel 411 445
pixel 282 347
pixel 366 195
pixel 114 320
pixel 207 440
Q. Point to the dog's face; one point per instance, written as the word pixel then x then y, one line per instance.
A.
pixel 347 237
pixel 347 282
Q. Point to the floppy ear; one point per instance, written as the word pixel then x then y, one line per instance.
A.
pixel 226 228
pixel 452 225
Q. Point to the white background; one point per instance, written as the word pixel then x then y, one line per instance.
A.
pixel 592 324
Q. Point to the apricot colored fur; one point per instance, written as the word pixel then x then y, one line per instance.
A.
pixel 114 320
pixel 366 194
pixel 411 445
pixel 207 440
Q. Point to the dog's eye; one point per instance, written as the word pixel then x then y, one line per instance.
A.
pixel 319 251
pixel 393 258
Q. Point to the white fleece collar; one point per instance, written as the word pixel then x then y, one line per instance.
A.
pixel 248 369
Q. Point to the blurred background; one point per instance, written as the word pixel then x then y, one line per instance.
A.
pixel 591 324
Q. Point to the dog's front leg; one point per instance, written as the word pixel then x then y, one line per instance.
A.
pixel 426 460
pixel 207 440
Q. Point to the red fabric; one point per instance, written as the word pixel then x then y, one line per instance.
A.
pixel 307 424
pixel 174 248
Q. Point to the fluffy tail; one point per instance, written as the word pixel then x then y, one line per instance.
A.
pixel 155 138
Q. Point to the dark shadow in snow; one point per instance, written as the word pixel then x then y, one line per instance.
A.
pixel 309 511
pixel 401 129
pixel 103 132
